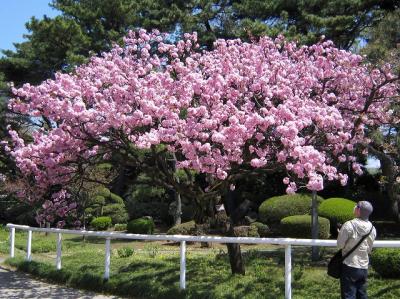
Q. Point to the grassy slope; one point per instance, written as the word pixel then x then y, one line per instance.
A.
pixel 153 271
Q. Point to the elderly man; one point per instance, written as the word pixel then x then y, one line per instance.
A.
pixel 353 280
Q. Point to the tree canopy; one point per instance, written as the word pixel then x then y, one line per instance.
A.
pixel 240 107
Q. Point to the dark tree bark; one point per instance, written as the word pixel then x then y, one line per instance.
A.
pixel 235 254
pixel 177 195
pixel 314 226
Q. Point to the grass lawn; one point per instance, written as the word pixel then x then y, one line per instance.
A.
pixel 153 270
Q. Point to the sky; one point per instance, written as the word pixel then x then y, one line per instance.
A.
pixel 13 16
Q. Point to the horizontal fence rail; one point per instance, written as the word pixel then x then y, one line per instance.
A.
pixel 108 236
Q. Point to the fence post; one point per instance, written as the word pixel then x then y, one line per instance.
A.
pixel 107 260
pixel 58 258
pixel 12 242
pixel 182 283
pixel 29 247
pixel 288 271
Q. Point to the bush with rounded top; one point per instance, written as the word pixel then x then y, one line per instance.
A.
pixel 141 226
pixel 101 223
pixel 386 262
pixel 117 213
pixel 299 226
pixel 275 208
pixel 185 228
pixel 337 210
pixel 103 191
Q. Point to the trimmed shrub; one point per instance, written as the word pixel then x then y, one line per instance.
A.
pixel 276 208
pixel 141 226
pixel 104 192
pixel 386 262
pixel 337 210
pixel 117 212
pixel 120 227
pixel 101 223
pixel 299 226
pixel 246 231
pixel 114 198
pixel 262 229
pixel 106 203
pixel 186 228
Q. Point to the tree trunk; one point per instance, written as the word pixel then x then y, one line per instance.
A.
pixel 177 195
pixel 236 259
pixel 84 225
pixel 47 226
pixel 314 226
pixel 235 254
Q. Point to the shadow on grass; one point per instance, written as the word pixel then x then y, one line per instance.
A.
pixel 385 290
pixel 159 278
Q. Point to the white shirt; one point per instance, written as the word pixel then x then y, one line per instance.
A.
pixel 350 234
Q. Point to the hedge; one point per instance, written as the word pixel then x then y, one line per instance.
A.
pixel 337 210
pixel 186 228
pixel 299 226
pixel 386 262
pixel 101 223
pixel 272 210
pixel 141 226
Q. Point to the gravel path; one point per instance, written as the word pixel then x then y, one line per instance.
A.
pixel 17 285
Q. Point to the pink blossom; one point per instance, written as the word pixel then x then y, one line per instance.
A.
pixel 265 104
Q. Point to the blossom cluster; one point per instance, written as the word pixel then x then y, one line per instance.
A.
pixel 265 104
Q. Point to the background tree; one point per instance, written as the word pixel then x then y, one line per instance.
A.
pixel 384 47
pixel 91 26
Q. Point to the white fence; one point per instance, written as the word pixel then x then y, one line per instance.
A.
pixel 287 242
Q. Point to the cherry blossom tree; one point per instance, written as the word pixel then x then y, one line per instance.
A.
pixel 239 109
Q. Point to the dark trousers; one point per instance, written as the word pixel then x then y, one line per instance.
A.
pixel 353 283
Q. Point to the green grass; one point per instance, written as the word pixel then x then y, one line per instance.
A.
pixel 153 271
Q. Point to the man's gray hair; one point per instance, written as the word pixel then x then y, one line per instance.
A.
pixel 365 209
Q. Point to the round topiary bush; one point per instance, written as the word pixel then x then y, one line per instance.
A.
pixel 337 210
pixel 186 228
pixel 141 226
pixel 386 262
pixel 101 223
pixel 275 208
pixel 299 226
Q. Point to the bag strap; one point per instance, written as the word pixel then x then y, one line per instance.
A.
pixel 358 244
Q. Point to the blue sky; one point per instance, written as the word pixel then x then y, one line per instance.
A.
pixel 13 16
